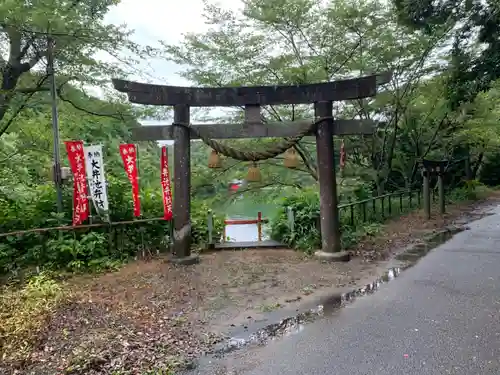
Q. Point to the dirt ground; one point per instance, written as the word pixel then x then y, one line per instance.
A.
pixel 153 316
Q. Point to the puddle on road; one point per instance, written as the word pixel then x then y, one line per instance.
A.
pixel 420 249
pixel 295 324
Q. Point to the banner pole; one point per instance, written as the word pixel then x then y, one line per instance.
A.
pixel 138 175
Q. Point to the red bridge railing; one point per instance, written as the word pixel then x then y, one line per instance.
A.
pixel 259 221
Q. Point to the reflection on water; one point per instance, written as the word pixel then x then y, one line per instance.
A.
pixel 295 324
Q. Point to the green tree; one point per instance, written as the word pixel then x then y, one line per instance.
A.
pixel 475 59
pixel 26 150
pixel 78 33
pixel 307 41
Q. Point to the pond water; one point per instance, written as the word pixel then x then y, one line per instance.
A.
pixel 247 209
pixel 243 233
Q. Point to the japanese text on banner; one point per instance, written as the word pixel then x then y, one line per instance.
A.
pixel 76 159
pixel 95 175
pixel 128 153
pixel 165 184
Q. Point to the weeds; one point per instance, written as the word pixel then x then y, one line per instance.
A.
pixel 270 307
pixel 23 312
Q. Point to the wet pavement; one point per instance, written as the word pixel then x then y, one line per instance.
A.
pixel 441 316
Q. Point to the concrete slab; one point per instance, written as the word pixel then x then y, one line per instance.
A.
pixel 267 244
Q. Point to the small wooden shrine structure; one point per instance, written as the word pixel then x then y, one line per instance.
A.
pixel 431 168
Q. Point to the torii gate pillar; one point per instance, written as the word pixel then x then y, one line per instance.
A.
pixel 330 225
pixel 182 186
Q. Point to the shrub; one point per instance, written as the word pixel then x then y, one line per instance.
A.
pixel 471 190
pixel 98 248
pixel 489 172
pixel 306 234
pixel 357 220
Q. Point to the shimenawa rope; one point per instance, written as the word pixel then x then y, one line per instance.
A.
pixel 254 156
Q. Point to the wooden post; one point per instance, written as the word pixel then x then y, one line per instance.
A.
pixel 182 187
pixel 259 226
pixel 427 193
pixel 210 227
pixel 442 208
pixel 330 227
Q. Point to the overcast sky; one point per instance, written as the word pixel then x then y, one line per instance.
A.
pixel 154 20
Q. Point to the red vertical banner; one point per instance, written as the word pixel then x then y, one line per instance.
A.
pixel 76 157
pixel 342 155
pixel 128 153
pixel 165 184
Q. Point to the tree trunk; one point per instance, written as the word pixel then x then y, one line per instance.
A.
pixel 477 166
pixel 10 77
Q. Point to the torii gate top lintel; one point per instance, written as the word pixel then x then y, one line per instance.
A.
pixel 347 89
pixel 434 165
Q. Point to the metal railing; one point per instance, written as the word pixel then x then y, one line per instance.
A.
pixel 380 207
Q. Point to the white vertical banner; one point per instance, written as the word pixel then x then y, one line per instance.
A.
pixel 95 175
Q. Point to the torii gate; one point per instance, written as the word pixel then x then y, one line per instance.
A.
pixel 252 98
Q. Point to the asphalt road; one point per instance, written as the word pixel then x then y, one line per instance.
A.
pixel 440 317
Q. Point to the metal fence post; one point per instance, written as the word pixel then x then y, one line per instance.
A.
pixel 210 227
